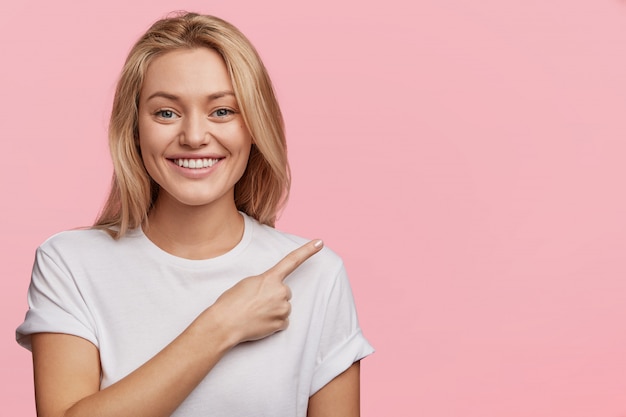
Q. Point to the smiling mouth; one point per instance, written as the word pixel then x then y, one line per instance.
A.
pixel 196 163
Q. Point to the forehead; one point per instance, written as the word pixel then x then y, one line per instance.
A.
pixel 187 72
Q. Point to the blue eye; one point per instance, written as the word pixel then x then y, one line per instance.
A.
pixel 165 114
pixel 223 113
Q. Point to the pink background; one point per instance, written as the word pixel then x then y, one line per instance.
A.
pixel 466 158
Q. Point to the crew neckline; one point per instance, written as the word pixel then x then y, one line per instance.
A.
pixel 163 256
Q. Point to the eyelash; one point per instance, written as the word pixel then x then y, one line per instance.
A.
pixel 229 112
pixel 171 114
pixel 160 114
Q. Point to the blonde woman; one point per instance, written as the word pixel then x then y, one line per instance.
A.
pixel 183 299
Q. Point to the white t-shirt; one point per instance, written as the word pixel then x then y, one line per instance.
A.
pixel 130 299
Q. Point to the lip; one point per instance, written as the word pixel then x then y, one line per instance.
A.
pixel 195 156
pixel 194 173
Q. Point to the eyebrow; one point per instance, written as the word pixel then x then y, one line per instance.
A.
pixel 173 97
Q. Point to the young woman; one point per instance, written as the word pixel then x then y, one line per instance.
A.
pixel 183 299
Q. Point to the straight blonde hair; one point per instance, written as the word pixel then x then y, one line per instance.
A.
pixel 264 187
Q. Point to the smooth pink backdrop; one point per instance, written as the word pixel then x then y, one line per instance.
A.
pixel 467 159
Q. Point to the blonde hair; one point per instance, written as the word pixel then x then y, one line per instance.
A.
pixel 264 187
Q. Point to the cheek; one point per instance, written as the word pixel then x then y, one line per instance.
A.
pixel 244 154
pixel 243 161
pixel 148 147
pixel 150 138
pixel 235 138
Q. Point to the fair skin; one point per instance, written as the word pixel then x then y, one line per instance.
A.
pixel 186 112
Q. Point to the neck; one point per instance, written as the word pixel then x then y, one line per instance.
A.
pixel 194 232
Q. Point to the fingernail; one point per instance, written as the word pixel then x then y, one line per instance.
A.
pixel 318 244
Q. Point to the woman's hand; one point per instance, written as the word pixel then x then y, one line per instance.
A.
pixel 258 306
pixel 67 368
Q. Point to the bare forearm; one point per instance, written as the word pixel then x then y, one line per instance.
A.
pixel 67 368
pixel 159 386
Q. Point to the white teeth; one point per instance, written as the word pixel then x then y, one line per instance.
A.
pixel 196 163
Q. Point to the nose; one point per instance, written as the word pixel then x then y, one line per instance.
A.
pixel 195 133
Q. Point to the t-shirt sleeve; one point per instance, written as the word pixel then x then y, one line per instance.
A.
pixel 342 343
pixel 55 302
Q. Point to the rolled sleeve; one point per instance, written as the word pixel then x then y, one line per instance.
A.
pixel 55 303
pixel 342 342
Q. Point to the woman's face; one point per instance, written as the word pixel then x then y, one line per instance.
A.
pixel 193 140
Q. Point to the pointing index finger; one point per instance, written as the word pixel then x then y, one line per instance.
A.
pixel 294 259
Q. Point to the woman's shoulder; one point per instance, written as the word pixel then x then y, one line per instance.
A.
pixel 80 241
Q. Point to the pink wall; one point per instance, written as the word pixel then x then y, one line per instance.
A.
pixel 467 159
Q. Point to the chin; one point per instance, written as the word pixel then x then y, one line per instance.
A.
pixel 198 200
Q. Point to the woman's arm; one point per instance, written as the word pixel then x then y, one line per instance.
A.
pixel 340 397
pixel 67 368
pixel 67 375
